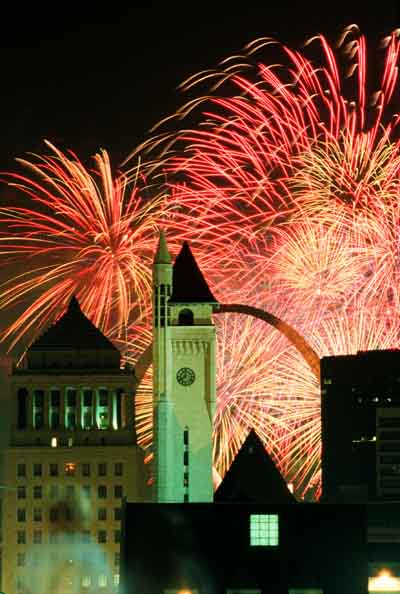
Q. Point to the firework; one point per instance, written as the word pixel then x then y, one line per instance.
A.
pixel 297 164
pixel 83 232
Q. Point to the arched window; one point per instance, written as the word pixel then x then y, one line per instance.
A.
pixel 185 317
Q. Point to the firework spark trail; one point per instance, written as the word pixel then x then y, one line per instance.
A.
pixel 299 164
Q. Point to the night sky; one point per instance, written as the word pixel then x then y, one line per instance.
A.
pixel 87 77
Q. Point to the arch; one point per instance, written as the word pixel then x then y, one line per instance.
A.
pixel 296 339
pixel 185 317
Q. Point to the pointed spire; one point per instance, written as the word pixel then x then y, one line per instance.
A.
pixel 188 282
pixel 162 254
pixel 74 304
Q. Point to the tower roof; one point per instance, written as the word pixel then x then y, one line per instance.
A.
pixel 73 331
pixel 253 477
pixel 188 282
pixel 162 255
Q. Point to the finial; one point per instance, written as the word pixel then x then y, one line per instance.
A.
pixel 162 254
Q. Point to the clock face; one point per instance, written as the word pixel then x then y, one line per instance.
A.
pixel 185 376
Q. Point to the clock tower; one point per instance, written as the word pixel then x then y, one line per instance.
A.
pixel 184 371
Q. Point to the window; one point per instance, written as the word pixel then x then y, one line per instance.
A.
pixel 87 397
pixel 53 537
pixel 55 398
pixel 116 579
pixel 21 470
pixel 71 420
pixel 69 514
pixel 102 492
pixel 264 530
pixel 21 559
pixel 36 558
pixel 37 492
pixel 86 581
pixel 86 536
pixel 69 468
pixel 118 491
pixel 117 536
pixel 103 398
pixel 53 469
pixel 21 537
pixel 85 469
pixel 86 490
pixel 21 492
pixel 53 514
pixel 39 398
pixel 54 420
pixel 102 536
pixel 37 514
pixel 102 469
pixel 102 514
pixel 21 515
pixel 37 470
pixel 39 420
pixel 87 420
pixel 70 491
pixel 102 580
pixel 118 469
pixel 117 514
pixel 54 442
pixel 71 398
pixel 185 317
pixel 54 491
pixel 37 537
pixel 116 559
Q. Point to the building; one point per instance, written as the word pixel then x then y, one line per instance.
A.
pixel 244 549
pixel 184 372
pixel 71 458
pixel 360 415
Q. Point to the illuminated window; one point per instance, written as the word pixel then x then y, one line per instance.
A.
pixel 102 580
pixel 69 468
pixel 116 579
pixel 54 442
pixel 264 530
pixel 86 581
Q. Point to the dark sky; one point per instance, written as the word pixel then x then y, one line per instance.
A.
pixel 87 77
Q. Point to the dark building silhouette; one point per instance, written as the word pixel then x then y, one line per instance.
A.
pixel 237 548
pixel 253 477
pixel 360 414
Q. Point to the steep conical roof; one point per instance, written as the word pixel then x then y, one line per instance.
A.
pixel 162 255
pixel 73 331
pixel 188 282
pixel 253 477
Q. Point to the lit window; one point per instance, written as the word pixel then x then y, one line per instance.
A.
pixel 54 442
pixel 102 581
pixel 69 468
pixel 70 442
pixel 116 579
pixel 86 581
pixel 264 530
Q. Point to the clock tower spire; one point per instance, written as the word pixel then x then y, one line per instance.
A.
pixel 184 378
